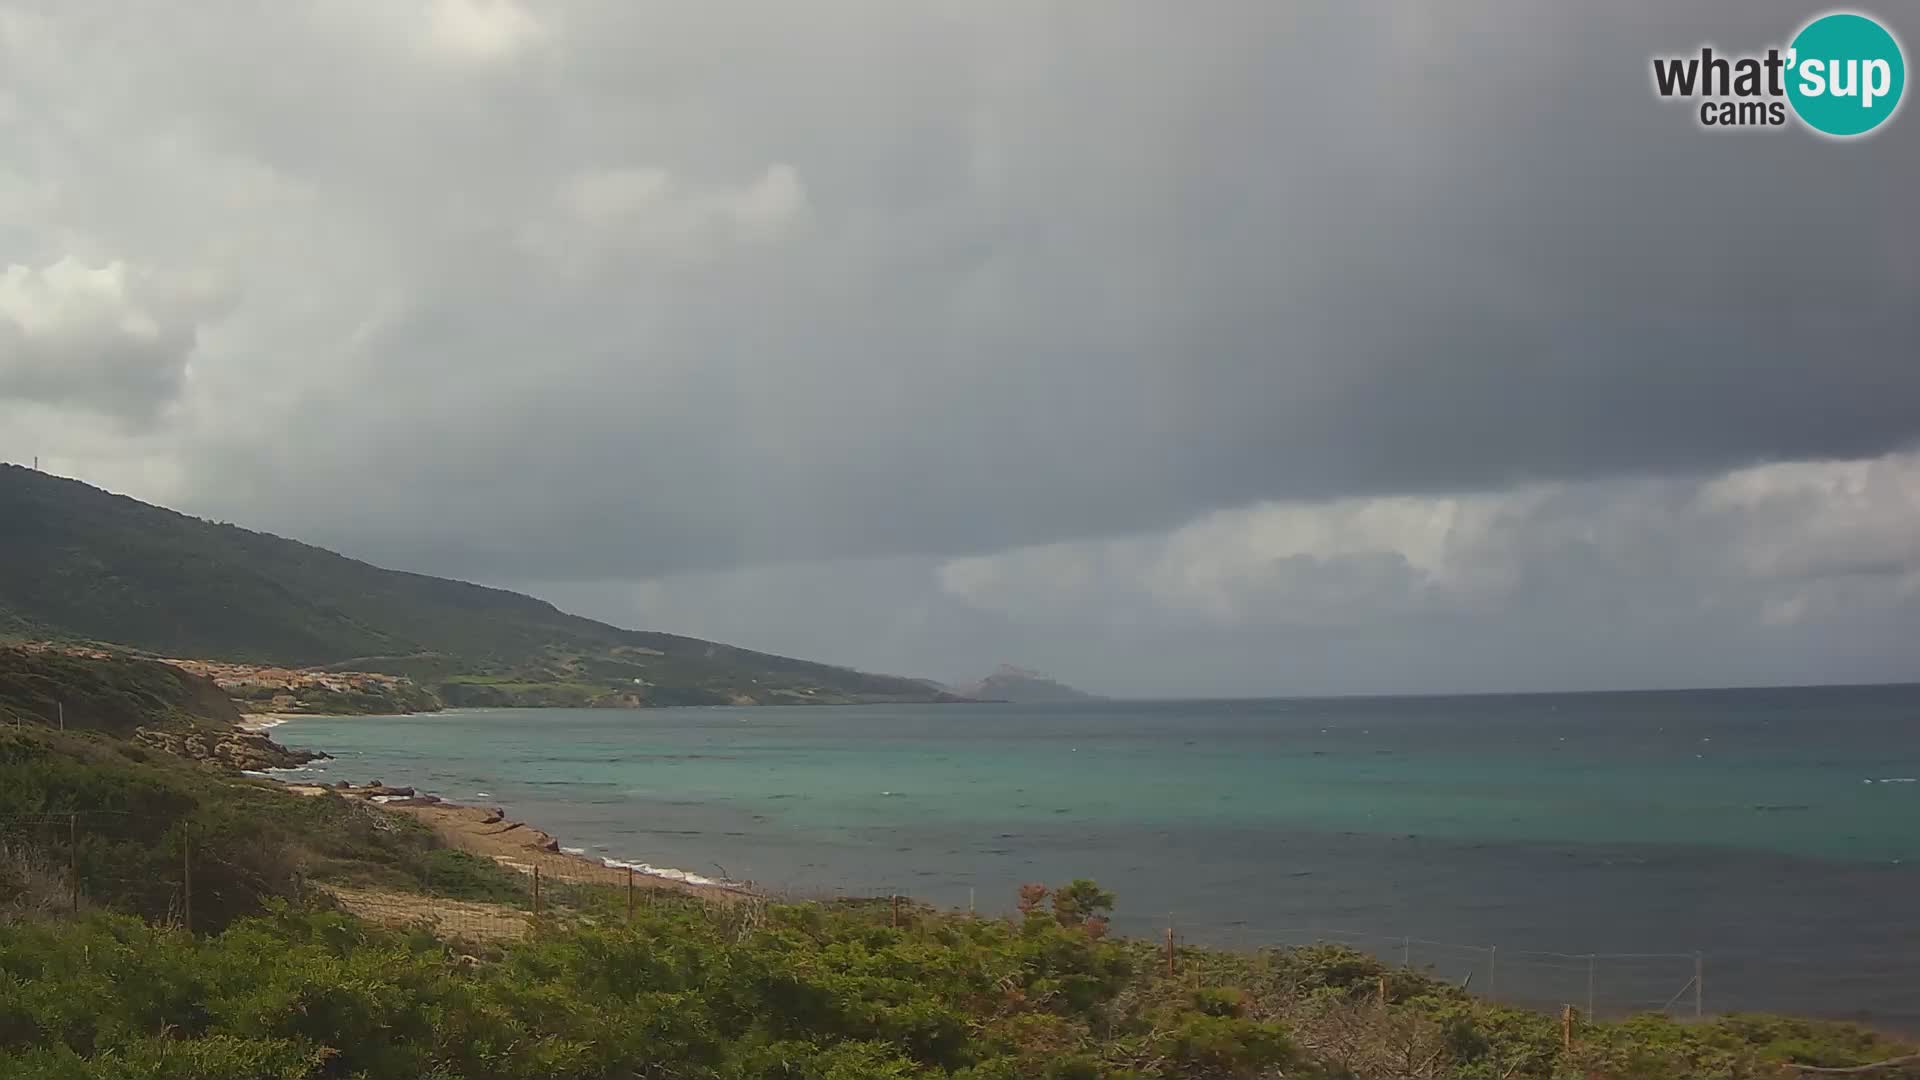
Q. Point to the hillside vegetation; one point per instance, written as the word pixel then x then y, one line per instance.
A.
pixel 79 563
pixel 113 696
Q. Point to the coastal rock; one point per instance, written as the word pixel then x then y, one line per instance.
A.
pixel 243 750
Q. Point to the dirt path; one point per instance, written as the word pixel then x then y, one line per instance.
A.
pixel 450 919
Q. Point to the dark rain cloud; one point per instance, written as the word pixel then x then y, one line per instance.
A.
pixel 1039 276
pixel 614 291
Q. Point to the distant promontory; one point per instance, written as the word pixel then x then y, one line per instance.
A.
pixel 1022 685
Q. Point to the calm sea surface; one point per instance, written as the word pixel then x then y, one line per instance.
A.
pixel 1776 832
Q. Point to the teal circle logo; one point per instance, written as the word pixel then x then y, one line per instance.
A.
pixel 1845 74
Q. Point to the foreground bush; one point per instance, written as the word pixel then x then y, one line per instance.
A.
pixel 827 992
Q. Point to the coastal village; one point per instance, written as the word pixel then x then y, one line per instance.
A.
pixel 262 687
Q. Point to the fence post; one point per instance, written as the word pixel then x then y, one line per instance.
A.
pixel 1493 952
pixel 1383 991
pixel 1699 977
pixel 536 891
pixel 629 894
pixel 1566 1028
pixel 969 900
pixel 896 911
pixel 73 857
pixel 1169 944
pixel 1406 953
pixel 1589 984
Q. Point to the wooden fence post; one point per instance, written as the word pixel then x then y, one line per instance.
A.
pixel 896 910
pixel 536 891
pixel 1566 1028
pixel 629 894
pixel 1699 977
pixel 1169 944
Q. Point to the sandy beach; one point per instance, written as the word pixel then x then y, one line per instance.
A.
pixel 263 721
pixel 487 832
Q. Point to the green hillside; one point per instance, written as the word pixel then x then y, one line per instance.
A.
pixel 113 696
pixel 80 563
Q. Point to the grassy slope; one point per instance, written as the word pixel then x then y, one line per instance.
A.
pixel 113 696
pixel 79 562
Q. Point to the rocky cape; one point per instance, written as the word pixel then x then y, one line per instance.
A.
pixel 249 751
pixel 1018 684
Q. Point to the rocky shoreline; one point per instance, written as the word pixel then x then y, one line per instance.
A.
pixel 248 751
pixel 484 831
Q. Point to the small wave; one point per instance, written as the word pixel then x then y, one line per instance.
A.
pixel 1895 780
pixel 668 873
pixel 483 794
pixel 574 850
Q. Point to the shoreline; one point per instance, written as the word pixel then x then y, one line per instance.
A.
pixel 518 845
pixel 263 722
pixel 488 832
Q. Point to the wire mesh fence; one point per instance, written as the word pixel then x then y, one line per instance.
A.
pixel 1600 984
pixel 61 862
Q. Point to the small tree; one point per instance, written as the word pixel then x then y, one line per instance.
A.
pixel 1083 904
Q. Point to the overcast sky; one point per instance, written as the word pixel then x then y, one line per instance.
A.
pixel 1230 348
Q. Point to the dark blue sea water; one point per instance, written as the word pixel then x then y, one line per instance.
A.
pixel 1774 832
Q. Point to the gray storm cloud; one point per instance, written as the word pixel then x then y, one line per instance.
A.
pixel 592 292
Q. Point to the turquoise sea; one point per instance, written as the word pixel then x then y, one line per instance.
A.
pixel 1774 832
